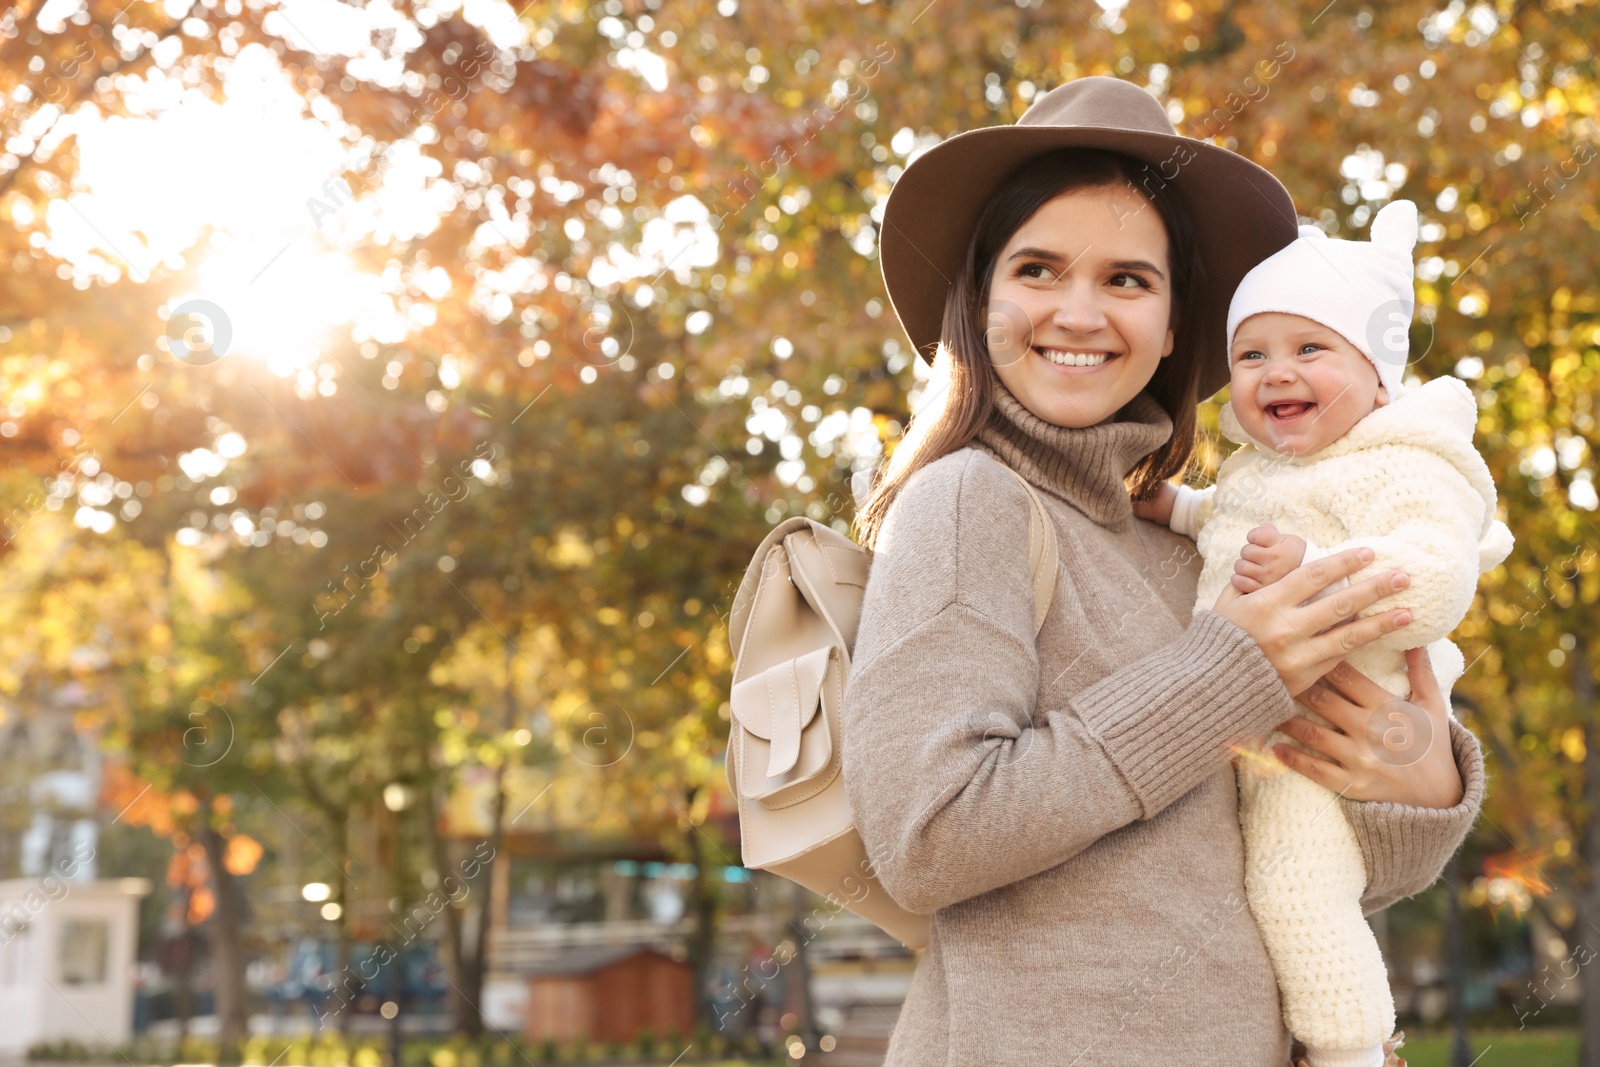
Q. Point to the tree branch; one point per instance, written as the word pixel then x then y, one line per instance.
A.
pixel 82 92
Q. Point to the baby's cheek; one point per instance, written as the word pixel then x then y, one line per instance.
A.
pixel 1252 420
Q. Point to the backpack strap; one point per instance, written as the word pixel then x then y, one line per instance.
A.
pixel 1043 556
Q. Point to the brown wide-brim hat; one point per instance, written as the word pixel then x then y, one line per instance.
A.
pixel 1241 214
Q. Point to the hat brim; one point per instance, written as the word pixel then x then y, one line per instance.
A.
pixel 1241 215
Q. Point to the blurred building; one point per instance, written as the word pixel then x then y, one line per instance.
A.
pixel 50 771
pixel 608 993
pixel 66 961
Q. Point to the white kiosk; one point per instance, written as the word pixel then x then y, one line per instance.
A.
pixel 66 961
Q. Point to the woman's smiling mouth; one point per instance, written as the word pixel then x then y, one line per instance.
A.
pixel 1069 357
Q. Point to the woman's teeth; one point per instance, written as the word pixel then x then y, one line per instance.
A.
pixel 1065 358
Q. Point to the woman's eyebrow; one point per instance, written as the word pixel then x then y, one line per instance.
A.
pixel 1041 253
pixel 1056 257
pixel 1139 264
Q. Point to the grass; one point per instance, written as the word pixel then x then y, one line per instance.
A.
pixel 330 1050
pixel 1499 1048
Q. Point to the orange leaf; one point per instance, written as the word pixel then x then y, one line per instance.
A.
pixel 201 905
pixel 242 854
pixel 1517 866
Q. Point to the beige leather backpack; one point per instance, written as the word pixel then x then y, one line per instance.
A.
pixel 792 627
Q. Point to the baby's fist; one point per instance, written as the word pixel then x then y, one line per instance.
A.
pixel 1266 558
pixel 1159 507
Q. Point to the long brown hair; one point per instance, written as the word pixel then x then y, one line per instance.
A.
pixel 963 386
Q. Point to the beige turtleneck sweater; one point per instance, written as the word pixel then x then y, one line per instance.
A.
pixel 1065 808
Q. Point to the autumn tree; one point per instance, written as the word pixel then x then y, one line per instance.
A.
pixel 649 288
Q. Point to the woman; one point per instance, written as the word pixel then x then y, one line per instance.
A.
pixel 1064 808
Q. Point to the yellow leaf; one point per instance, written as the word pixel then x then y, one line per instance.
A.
pixel 1572 744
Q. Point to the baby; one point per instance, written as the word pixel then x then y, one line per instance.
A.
pixel 1336 453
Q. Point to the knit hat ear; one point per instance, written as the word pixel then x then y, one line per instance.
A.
pixel 1395 226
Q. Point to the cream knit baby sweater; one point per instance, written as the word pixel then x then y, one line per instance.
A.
pixel 1065 808
pixel 1407 482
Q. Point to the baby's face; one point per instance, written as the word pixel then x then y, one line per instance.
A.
pixel 1296 385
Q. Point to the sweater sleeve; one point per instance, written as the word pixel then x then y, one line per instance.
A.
pixel 1191 510
pixel 1406 847
pixel 1418 514
pixel 956 786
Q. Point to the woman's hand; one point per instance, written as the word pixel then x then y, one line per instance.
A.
pixel 1304 640
pixel 1383 748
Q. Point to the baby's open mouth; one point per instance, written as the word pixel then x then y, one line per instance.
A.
pixel 1289 412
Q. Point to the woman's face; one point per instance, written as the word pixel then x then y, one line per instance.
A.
pixel 1080 305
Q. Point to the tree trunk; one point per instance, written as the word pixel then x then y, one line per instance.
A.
pixel 805 1009
pixel 703 935
pixel 346 985
pixel 227 952
pixel 183 982
pixel 467 945
pixel 1455 964
pixel 1583 698
pixel 477 968
pixel 465 1018
pixel 341 969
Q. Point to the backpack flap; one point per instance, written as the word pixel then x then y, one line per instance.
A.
pixel 831 572
pixel 777 704
pixel 785 751
pixel 770 564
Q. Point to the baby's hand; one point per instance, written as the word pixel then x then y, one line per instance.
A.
pixel 1267 558
pixel 1159 507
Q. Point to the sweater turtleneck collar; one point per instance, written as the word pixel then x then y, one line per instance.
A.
pixel 1085 467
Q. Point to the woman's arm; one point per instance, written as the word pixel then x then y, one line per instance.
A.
pixel 1406 847
pixel 1410 797
pixel 955 791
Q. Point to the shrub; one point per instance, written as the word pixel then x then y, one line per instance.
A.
pixel 65 1049
pixel 418 1053
pixel 197 1050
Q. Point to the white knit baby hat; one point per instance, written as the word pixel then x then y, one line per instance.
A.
pixel 1360 289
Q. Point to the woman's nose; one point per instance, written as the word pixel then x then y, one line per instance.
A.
pixel 1078 310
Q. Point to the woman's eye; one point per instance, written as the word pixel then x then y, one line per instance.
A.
pixel 1134 278
pixel 1028 270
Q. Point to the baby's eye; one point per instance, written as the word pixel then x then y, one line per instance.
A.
pixel 1310 347
pixel 1243 356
